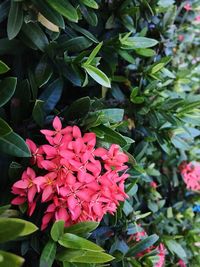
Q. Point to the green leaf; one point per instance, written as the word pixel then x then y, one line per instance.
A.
pixel 11 228
pixel 75 44
pixel 69 240
pixel 157 68
pixel 7 89
pixel 15 19
pixel 138 42
pixel 82 227
pixel 57 230
pixel 84 256
pixel 145 52
pixel 14 145
pixel 38 112
pixel 108 135
pixel 78 109
pixel 43 72
pixel 166 3
pixel 10 259
pixel 89 15
pixel 48 254
pixel 97 75
pixel 113 115
pixel 176 248
pixel 49 13
pixel 86 33
pixel 51 95
pixel 4 128
pixel 35 34
pixel 3 67
pixel 90 3
pixel 93 54
pixel 64 8
pixel 142 245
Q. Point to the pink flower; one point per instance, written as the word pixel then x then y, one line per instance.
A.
pixel 197 19
pixel 78 181
pixel 161 253
pixel 191 175
pixel 153 184
pixel 187 7
pixel 181 37
pixel 181 263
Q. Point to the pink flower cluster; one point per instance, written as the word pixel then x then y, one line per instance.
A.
pixel 191 174
pixel 181 263
pixel 78 181
pixel 160 248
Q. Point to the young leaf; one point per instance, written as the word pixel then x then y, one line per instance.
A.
pixel 93 54
pixel 97 75
pixel 90 3
pixel 15 19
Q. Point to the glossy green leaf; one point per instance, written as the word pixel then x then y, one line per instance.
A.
pixel 48 254
pixel 43 72
pixel 15 19
pixel 3 67
pixel 176 248
pixel 84 256
pixel 113 115
pixel 49 13
pixel 75 44
pixel 142 245
pixel 10 259
pixel 7 89
pixel 146 52
pixel 89 15
pixel 97 75
pixel 11 228
pixel 65 8
pixel 57 230
pixel 38 112
pixel 138 42
pixel 14 145
pixel 4 128
pixel 69 240
pixel 82 227
pixel 90 3
pixel 86 33
pixel 51 95
pixel 35 35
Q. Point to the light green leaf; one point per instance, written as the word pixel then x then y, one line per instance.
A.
pixel 84 256
pixel 176 248
pixel 69 240
pixel 90 3
pixel 97 75
pixel 57 230
pixel 93 54
pixel 10 259
pixel 3 67
pixel 82 227
pixel 7 89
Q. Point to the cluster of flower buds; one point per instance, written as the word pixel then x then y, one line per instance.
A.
pixel 78 181
pixel 191 174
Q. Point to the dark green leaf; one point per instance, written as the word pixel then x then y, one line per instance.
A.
pixel 48 254
pixel 65 8
pixel 4 128
pixel 89 15
pixel 3 67
pixel 7 89
pixel 15 19
pixel 43 72
pixel 38 112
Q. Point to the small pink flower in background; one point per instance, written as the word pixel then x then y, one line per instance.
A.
pixel 187 6
pixel 181 263
pixel 181 37
pixel 153 184
pixel 191 174
pixel 78 181
pixel 197 19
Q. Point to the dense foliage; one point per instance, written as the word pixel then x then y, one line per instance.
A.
pixel 126 71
